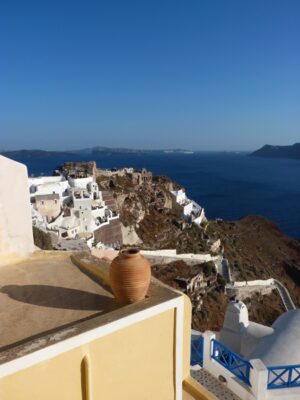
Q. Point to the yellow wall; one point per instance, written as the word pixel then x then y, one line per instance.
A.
pixel 134 363
pixel 187 323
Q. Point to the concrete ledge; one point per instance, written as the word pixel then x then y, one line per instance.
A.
pixel 98 269
pixel 197 391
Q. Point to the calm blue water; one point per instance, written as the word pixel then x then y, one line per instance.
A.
pixel 227 185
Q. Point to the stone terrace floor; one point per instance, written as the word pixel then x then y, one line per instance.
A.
pixel 212 384
pixel 43 293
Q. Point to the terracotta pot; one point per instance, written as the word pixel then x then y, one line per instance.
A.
pixel 130 275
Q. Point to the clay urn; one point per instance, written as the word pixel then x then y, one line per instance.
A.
pixel 129 276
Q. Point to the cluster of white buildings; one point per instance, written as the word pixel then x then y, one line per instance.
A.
pixel 189 209
pixel 69 207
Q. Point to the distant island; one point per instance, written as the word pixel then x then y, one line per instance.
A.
pixel 292 152
pixel 92 151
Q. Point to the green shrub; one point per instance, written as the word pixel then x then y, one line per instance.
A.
pixel 209 268
pixel 42 239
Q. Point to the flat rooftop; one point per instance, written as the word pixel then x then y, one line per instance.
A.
pixel 47 298
pixel 46 292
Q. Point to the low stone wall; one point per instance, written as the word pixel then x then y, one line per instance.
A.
pixel 259 282
pixel 246 288
pixel 168 256
pixel 244 292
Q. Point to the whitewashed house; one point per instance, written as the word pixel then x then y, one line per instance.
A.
pixel 46 185
pixel 189 209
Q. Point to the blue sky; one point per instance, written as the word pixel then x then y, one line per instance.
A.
pixel 203 75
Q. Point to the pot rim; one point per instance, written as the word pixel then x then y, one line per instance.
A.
pixel 131 252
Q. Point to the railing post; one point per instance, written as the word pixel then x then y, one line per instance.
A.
pixel 290 376
pixel 207 338
pixel 259 379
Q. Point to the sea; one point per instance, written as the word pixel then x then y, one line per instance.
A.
pixel 228 185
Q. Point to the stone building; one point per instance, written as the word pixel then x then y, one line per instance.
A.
pixel 140 177
pixel 194 283
pixel 79 169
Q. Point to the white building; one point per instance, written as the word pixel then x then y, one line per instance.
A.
pixel 180 196
pixel 80 182
pixel 190 210
pixel 46 185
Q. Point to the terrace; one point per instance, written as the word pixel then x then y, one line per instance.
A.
pixel 45 293
pixel 48 292
pixel 58 306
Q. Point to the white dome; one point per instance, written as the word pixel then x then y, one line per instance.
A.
pixel 283 346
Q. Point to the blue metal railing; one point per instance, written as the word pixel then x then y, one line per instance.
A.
pixel 197 351
pixel 281 377
pixel 231 361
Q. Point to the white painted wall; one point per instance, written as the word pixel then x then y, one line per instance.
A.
pixel 44 179
pixel 15 213
pixel 187 209
pixel 179 195
pixel 82 204
pixel 50 188
pixel 80 182
pixel 258 282
pixel 172 255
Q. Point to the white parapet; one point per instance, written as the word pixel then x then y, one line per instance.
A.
pixel 259 379
pixel 16 238
pixel 257 390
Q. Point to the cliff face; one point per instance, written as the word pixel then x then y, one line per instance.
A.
pixel 269 151
pixel 134 200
